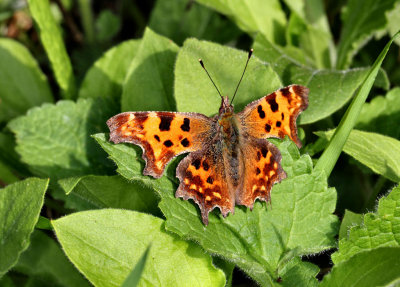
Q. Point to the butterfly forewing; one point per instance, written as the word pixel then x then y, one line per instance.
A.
pixel 275 115
pixel 161 135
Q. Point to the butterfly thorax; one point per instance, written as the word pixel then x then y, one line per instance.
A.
pixel 229 134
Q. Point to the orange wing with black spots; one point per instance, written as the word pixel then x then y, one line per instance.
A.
pixel 161 135
pixel 262 170
pixel 275 115
pixel 202 178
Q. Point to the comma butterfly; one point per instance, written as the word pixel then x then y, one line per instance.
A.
pixel 230 161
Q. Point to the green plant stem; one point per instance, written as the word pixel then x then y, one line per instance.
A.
pixel 331 154
pixel 87 20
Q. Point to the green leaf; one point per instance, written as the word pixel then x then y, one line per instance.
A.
pixel 194 91
pixel 110 191
pixel 45 259
pixel 361 19
pixel 20 205
pixel 309 29
pixel 349 219
pixel 148 85
pixel 382 114
pixel 190 19
pixel 380 153
pixel 23 85
pixel 107 25
pixel 324 98
pixel 105 244
pixel 134 277
pixel 331 154
pixel 54 140
pixel 43 223
pixel 105 78
pixel 50 36
pixel 378 229
pixel 377 267
pixel 300 218
pixel 264 16
pixel 393 19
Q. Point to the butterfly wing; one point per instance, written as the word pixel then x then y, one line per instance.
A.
pixel 275 114
pixel 161 135
pixel 203 178
pixel 262 169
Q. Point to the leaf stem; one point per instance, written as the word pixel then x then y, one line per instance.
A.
pixel 331 154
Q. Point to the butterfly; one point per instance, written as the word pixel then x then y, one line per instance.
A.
pixel 230 160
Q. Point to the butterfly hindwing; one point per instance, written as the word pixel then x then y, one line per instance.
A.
pixel 275 114
pixel 161 135
pixel 202 178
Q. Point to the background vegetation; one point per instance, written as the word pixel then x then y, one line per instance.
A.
pixel 75 209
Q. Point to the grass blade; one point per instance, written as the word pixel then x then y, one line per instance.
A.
pixel 331 154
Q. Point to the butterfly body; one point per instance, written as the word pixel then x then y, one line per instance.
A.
pixel 230 160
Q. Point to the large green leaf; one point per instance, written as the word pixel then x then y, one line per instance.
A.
pixel 264 16
pixel 54 140
pixel 194 91
pixel 148 85
pixel 50 36
pixel 309 29
pixel 105 244
pixel 380 153
pixel 265 241
pixel 23 85
pixel 361 19
pixel 378 229
pixel 377 267
pixel 330 90
pixel 105 78
pixel 382 115
pixel 187 18
pixel 109 191
pixel 45 259
pixel 20 205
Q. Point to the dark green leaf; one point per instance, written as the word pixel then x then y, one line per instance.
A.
pixel 361 19
pixel 382 115
pixel 53 44
pixel 264 16
pixel 23 85
pixel 105 244
pixel 148 85
pixel 107 25
pixel 377 267
pixel 20 205
pixel 187 18
pixel 45 259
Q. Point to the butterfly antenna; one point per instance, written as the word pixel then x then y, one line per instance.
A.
pixel 202 64
pixel 245 67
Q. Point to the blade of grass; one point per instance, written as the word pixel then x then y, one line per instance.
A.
pixel 134 277
pixel 331 154
pixel 52 41
pixel 87 20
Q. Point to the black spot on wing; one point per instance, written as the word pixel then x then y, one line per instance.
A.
pixel 206 166
pixel 196 163
pixel 278 124
pixel 185 142
pixel 286 92
pixel 186 125
pixel 267 128
pixel 273 104
pixel 261 111
pixel 168 143
pixel 165 123
pixel 157 138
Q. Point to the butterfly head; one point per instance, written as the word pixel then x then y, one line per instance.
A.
pixel 226 106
